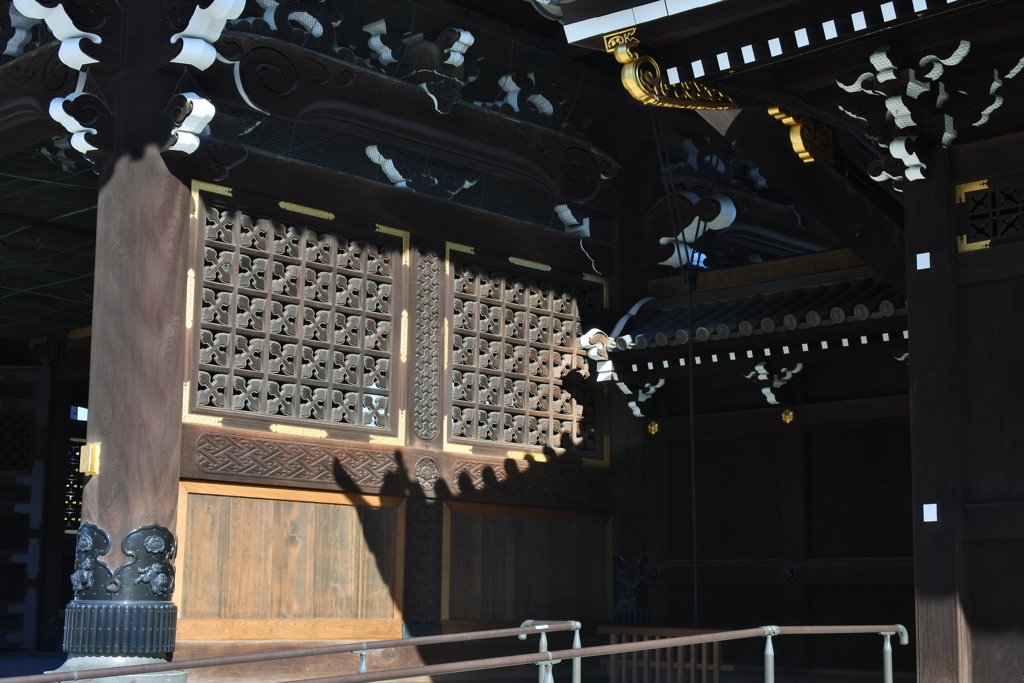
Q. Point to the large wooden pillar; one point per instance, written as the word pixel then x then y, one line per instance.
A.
pixel 934 415
pixel 124 573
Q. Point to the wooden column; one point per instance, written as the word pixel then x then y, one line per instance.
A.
pixel 934 416
pixel 137 347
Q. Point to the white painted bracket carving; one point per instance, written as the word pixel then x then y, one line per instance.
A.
pixel 63 29
pixel 383 52
pixel 77 130
pixel 572 225
pixel 642 396
pixel 726 216
pixel 186 135
pixel 457 52
pixel 204 28
pixel 22 26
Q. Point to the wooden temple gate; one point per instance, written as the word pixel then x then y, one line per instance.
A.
pixel 393 334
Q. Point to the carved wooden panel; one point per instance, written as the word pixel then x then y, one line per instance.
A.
pixel 423 561
pixel 517 360
pixel 294 323
pixel 428 347
pixel 237 455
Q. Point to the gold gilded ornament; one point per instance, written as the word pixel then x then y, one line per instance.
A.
pixel 811 140
pixel 643 79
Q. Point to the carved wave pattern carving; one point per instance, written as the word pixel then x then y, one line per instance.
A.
pixel 517 362
pixel 228 454
pixel 294 324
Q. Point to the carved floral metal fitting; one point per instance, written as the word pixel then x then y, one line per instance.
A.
pixel 148 575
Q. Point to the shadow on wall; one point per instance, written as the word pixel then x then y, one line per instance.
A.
pixel 504 567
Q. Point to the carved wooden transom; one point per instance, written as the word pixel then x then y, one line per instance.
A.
pixel 515 361
pixel 294 323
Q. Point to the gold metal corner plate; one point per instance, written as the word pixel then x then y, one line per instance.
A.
pixel 962 245
pixel 974 186
pixel 393 440
pixel 405 235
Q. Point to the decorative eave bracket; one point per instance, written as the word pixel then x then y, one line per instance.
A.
pixel 644 80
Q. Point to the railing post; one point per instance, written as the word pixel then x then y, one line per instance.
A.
pixel 577 662
pixel 543 648
pixel 886 658
pixel 769 653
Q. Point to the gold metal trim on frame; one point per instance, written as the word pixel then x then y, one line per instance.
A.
pixel 190 297
pixel 528 264
pixel 962 245
pixel 202 186
pixel 393 440
pixel 306 210
pixel 299 431
pixel 404 234
pixel 644 80
pixel 449 247
pixel 974 186
pixel 404 345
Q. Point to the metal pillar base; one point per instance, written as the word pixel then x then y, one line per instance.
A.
pixel 84 662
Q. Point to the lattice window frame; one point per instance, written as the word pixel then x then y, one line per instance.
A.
pixel 588 436
pixel 990 212
pixel 310 410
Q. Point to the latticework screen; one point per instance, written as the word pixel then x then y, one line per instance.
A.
pixel 294 323
pixel 516 362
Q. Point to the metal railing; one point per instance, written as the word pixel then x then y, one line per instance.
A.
pixel 362 649
pixel 544 659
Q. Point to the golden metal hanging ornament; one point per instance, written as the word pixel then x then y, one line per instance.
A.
pixel 644 80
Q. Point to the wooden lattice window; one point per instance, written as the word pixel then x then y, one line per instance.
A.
pixel 517 366
pixel 294 323
pixel 994 213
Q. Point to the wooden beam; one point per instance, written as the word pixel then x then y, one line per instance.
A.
pixel 987 159
pixel 818 188
pixel 894 571
pixel 711 425
pixel 822 262
pixel 372 202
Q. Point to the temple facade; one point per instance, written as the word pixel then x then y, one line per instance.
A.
pixel 338 321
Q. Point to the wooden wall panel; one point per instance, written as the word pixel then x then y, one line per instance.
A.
pixel 261 559
pixel 515 564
